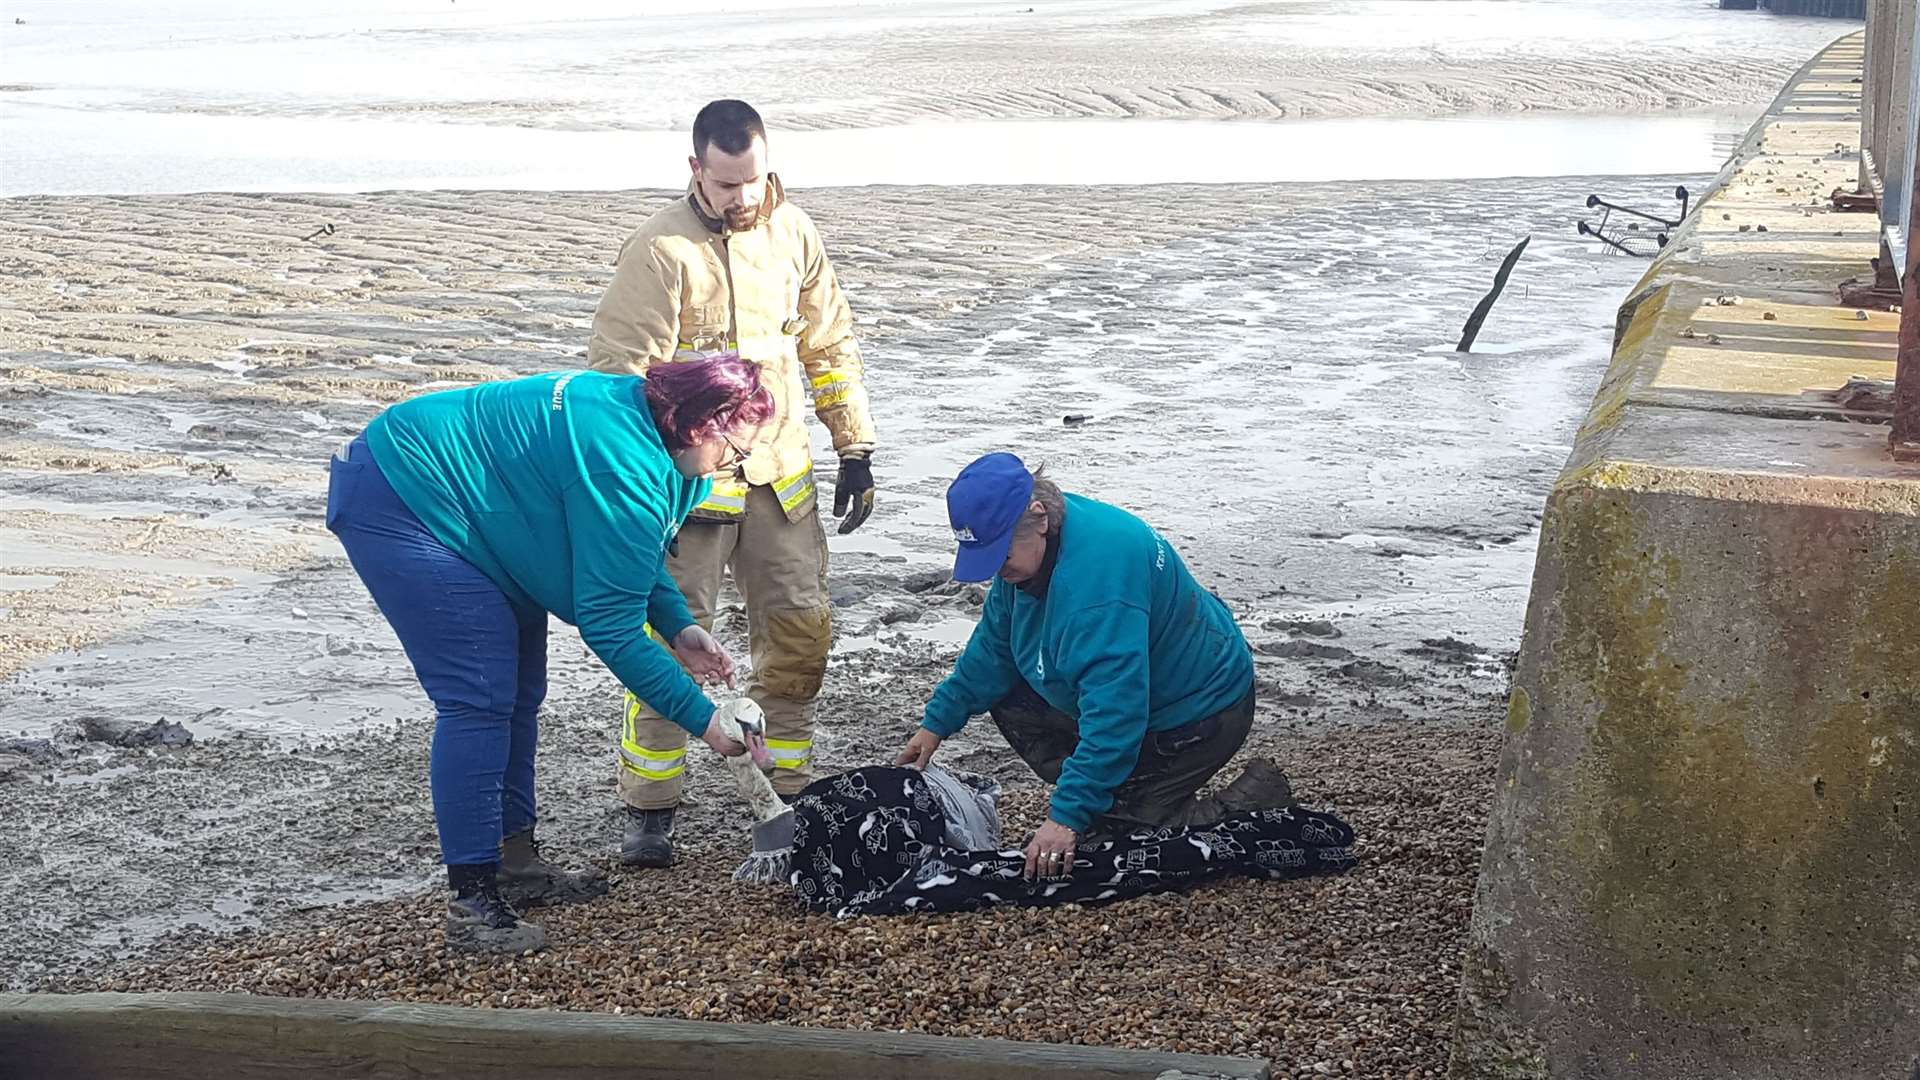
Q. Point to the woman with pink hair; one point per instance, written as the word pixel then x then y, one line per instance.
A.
pixel 472 515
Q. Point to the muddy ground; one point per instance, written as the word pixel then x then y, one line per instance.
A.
pixel 1257 378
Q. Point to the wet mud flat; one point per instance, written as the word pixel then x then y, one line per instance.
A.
pixel 1251 377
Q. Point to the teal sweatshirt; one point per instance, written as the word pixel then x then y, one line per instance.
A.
pixel 1124 640
pixel 559 489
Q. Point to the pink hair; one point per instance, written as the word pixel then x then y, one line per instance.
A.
pixel 700 400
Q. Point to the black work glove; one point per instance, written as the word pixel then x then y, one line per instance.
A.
pixel 853 492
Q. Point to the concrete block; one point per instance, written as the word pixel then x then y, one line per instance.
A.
pixel 1703 861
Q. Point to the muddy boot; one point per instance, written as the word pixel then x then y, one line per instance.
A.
pixel 529 881
pixel 1260 786
pixel 479 921
pixel 649 838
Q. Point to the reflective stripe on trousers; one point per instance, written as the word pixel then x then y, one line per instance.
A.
pixel 790 753
pixel 779 567
pixel 644 762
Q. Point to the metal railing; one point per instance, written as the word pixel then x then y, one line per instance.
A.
pixel 1890 169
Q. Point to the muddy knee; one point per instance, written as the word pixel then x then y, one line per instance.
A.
pixel 790 652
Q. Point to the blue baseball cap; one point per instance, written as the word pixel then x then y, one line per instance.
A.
pixel 984 503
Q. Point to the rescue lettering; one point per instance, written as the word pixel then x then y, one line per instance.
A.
pixel 560 387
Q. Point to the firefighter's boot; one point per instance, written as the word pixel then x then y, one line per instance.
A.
pixel 649 838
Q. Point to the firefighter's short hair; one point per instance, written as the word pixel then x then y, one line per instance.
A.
pixel 730 124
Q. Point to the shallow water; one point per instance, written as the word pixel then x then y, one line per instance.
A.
pixel 195 95
pixel 62 152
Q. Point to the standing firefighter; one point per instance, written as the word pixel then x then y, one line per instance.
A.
pixel 733 265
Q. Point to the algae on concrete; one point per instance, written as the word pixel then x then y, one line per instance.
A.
pixel 1702 860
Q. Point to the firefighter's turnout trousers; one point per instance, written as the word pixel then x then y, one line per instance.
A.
pixel 780 568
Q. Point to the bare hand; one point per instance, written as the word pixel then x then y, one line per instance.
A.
pixel 723 744
pixel 1050 853
pixel 919 750
pixel 703 657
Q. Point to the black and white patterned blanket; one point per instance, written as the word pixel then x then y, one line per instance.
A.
pixel 873 842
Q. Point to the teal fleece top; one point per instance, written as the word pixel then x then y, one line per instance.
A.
pixel 559 489
pixel 1125 641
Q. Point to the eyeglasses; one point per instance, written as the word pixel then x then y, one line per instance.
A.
pixel 739 454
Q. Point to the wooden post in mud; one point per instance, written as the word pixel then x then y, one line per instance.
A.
pixel 1472 329
pixel 177 1036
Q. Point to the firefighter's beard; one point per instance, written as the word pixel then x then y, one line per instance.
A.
pixel 740 218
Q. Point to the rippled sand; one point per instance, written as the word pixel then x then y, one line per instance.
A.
pixel 586 65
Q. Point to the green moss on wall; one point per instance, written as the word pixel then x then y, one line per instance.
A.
pixel 1733 844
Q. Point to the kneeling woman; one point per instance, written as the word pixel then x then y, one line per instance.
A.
pixel 1104 663
pixel 473 514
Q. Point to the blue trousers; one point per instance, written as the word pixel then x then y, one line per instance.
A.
pixel 481 661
